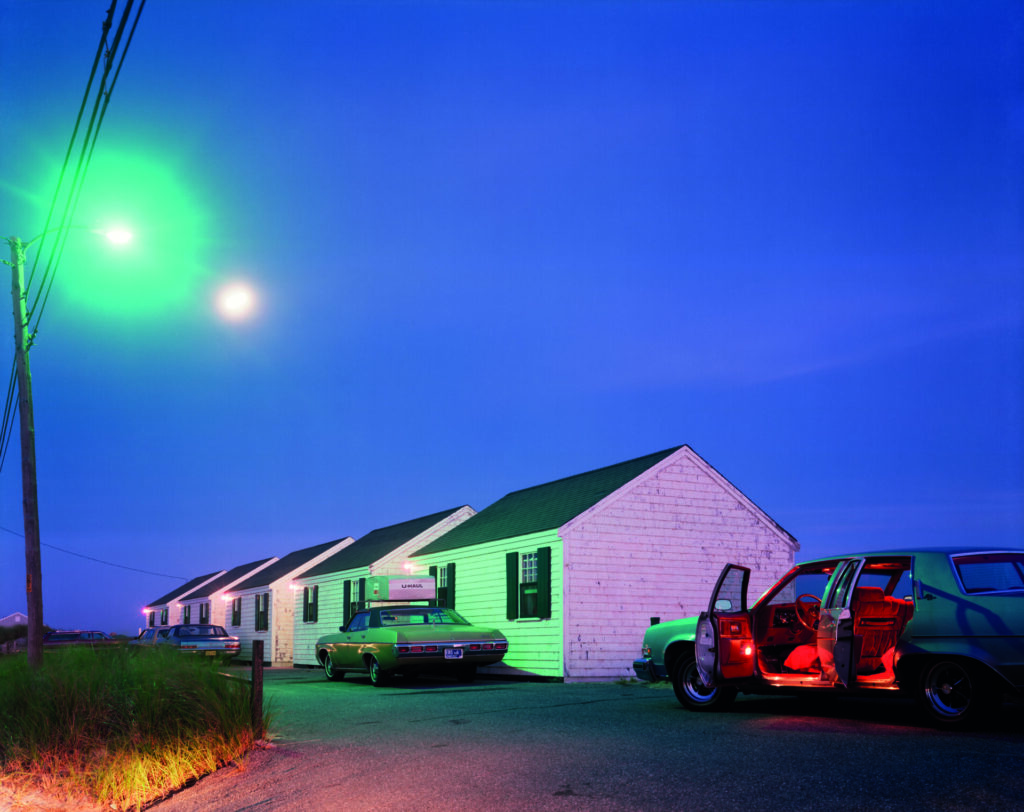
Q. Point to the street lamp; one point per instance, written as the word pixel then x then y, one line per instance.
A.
pixel 30 505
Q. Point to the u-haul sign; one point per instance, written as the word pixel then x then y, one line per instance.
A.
pixel 399 588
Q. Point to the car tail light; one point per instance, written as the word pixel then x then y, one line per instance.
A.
pixel 502 646
pixel 188 645
pixel 402 649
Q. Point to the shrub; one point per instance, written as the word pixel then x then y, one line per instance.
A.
pixel 126 726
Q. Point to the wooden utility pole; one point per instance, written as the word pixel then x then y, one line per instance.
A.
pixel 30 505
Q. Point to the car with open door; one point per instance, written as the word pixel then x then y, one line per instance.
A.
pixel 943 625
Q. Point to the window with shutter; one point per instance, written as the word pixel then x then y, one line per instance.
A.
pixel 528 584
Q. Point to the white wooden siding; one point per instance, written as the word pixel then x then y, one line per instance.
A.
pixel 535 645
pixel 655 549
pixel 330 611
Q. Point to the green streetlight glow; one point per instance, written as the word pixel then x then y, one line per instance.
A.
pixel 155 270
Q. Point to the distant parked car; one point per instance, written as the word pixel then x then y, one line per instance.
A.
pixel 943 625
pixel 387 640
pixel 77 638
pixel 193 638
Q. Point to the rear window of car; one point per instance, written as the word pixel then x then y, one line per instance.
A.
pixel 201 631
pixel 419 617
pixel 991 572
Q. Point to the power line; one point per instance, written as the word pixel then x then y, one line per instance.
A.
pixel 97 560
pixel 99 110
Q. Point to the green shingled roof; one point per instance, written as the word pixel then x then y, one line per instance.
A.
pixel 227 578
pixel 279 569
pixel 376 544
pixel 184 589
pixel 543 507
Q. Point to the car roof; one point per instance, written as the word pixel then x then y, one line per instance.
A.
pixel 962 550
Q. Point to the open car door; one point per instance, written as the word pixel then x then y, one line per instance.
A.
pixel 837 649
pixel 725 644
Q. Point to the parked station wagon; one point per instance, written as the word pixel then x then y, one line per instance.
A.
pixel 943 625
pixel 387 640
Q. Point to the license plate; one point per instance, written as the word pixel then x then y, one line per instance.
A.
pixel 453 653
pixel 210 653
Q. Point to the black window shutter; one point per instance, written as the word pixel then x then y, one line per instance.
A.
pixel 346 603
pixel 316 604
pixel 451 585
pixel 512 585
pixel 544 582
pixel 305 604
pixel 362 593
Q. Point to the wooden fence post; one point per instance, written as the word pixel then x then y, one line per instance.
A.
pixel 256 691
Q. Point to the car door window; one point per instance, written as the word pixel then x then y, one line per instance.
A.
pixel 359 623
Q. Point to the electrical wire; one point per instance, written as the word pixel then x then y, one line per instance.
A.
pixel 99 110
pixel 7 428
pixel 98 560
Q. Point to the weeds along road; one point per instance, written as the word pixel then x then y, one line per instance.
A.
pixel 438 745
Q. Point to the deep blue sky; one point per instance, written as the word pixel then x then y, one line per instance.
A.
pixel 501 243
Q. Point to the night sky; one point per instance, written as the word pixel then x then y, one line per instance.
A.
pixel 495 244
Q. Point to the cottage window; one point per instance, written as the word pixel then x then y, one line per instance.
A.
pixel 163 616
pixel 262 612
pixel 151 618
pixel 186 614
pixel 236 612
pixel 310 602
pixel 444 584
pixel 528 581
pixel 204 612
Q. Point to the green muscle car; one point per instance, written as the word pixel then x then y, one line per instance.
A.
pixel 386 640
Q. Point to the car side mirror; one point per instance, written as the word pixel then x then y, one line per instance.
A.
pixel 723 605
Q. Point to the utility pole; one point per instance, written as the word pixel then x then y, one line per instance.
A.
pixel 30 505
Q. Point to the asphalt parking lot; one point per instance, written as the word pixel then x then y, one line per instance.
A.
pixel 435 744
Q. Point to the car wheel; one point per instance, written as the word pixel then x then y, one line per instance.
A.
pixel 954 694
pixel 332 673
pixel 378 676
pixel 692 693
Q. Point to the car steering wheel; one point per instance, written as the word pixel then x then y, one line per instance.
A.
pixel 812 608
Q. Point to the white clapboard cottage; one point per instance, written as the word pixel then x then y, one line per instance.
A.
pixel 327 593
pixel 573 571
pixel 206 604
pixel 262 606
pixel 166 610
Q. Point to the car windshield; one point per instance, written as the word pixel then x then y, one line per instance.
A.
pixel 420 617
pixel 202 631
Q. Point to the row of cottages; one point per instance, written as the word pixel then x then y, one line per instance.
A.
pixel 263 605
pixel 167 610
pixel 573 571
pixel 327 595
pixel 252 601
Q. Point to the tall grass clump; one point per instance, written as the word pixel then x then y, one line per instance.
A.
pixel 121 725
